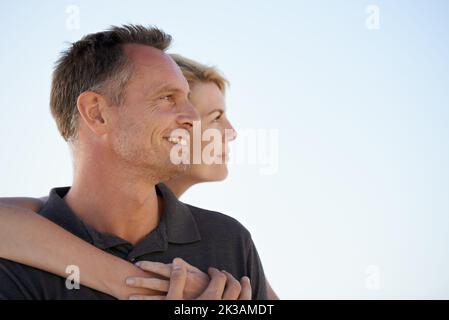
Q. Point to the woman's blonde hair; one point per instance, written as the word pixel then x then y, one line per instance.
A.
pixel 196 72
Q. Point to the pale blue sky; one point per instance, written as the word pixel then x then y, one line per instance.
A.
pixel 362 115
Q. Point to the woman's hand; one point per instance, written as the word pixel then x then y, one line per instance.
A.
pixel 196 281
pixel 222 285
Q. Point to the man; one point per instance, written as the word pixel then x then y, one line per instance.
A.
pixel 116 98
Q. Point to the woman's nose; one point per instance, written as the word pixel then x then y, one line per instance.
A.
pixel 230 132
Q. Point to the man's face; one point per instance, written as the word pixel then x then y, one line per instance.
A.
pixel 156 103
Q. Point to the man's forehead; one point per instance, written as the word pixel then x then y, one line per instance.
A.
pixel 156 67
pixel 145 55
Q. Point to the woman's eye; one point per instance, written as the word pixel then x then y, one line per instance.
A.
pixel 218 117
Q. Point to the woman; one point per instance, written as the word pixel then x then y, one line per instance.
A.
pixel 19 225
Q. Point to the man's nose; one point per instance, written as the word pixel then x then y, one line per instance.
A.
pixel 188 115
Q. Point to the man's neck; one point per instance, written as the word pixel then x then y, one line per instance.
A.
pixel 115 201
pixel 179 184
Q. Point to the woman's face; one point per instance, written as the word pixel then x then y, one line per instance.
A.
pixel 210 104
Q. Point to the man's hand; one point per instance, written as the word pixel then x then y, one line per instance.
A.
pixel 222 285
pixel 196 281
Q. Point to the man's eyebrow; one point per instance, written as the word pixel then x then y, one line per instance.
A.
pixel 167 88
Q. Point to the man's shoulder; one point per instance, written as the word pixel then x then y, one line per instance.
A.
pixel 217 223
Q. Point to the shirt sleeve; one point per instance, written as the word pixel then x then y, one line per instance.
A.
pixel 256 273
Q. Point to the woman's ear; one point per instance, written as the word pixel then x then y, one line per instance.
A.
pixel 92 108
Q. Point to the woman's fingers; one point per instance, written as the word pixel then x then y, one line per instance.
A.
pixel 163 269
pixel 222 285
pixel 246 293
pixel 149 283
pixel 178 279
pixel 155 267
pixel 174 287
pixel 196 282
pixel 232 289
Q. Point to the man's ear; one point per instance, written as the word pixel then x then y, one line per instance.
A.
pixel 92 108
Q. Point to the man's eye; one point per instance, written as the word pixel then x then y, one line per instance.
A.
pixel 167 98
pixel 218 117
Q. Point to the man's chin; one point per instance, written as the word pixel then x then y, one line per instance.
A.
pixel 181 168
pixel 174 170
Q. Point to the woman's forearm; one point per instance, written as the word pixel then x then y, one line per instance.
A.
pixel 53 249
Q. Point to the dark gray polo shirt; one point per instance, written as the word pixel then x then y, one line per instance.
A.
pixel 201 237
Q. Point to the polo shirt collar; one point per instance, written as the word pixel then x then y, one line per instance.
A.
pixel 180 223
pixel 177 224
pixel 57 211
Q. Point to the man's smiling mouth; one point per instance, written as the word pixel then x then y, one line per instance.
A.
pixel 177 141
